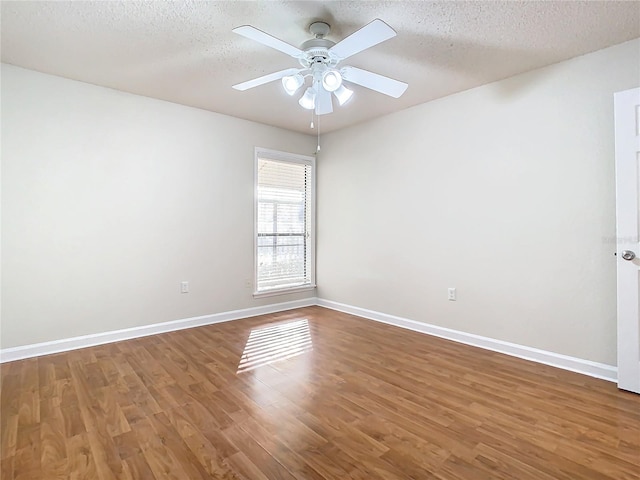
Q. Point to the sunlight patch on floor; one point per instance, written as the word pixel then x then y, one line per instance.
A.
pixel 274 343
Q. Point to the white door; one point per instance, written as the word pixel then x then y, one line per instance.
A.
pixel 627 139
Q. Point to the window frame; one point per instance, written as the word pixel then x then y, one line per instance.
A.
pixel 268 154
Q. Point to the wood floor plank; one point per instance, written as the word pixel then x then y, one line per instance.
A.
pixel 163 464
pixel 137 468
pixel 126 445
pixel 9 435
pixel 27 459
pixel 361 400
pixel 105 454
pixel 80 459
pixel 6 468
pixel 53 455
pixel 245 467
pixel 323 464
pixel 258 455
pixel 288 457
pixel 211 455
pixel 176 447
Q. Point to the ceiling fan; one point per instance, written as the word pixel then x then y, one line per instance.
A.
pixel 319 58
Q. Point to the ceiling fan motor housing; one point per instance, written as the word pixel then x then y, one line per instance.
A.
pixel 316 50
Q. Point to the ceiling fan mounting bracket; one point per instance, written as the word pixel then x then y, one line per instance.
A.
pixel 320 29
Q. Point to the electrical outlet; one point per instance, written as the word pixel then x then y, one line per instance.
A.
pixel 451 294
pixel 184 287
pixel 247 283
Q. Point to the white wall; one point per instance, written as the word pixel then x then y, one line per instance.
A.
pixel 505 192
pixel 109 200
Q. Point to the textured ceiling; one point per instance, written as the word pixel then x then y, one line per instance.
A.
pixel 185 52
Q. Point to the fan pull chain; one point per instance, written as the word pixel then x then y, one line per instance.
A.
pixel 311 126
pixel 318 121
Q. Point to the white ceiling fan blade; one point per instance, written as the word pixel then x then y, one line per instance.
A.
pixel 371 34
pixel 265 79
pixel 323 101
pixel 373 81
pixel 270 41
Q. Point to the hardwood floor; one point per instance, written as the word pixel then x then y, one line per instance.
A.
pixel 309 394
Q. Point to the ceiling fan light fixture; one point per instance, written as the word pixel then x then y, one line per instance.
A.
pixel 343 94
pixel 292 83
pixel 331 80
pixel 308 100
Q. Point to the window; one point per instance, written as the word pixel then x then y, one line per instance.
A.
pixel 284 222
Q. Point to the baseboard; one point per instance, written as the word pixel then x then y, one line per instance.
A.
pixel 66 344
pixel 586 367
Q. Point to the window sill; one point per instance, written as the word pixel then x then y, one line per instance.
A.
pixel 283 291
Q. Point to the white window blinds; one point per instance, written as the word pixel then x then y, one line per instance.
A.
pixel 283 224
